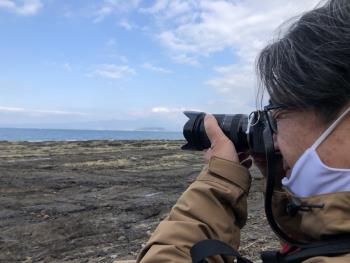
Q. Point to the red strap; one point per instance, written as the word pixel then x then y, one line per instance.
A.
pixel 287 249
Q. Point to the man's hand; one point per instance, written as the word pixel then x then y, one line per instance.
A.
pixel 221 146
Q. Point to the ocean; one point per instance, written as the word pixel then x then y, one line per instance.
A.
pixel 39 135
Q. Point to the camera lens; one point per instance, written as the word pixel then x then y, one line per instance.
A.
pixel 233 126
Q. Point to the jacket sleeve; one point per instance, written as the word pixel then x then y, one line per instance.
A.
pixel 213 207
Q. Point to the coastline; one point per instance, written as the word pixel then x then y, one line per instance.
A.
pixel 99 200
pixel 44 135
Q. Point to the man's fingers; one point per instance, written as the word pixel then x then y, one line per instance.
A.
pixel 212 128
pixel 221 146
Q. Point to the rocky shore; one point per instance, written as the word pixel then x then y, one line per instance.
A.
pixel 99 201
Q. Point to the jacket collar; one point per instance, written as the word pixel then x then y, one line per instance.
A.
pixel 318 223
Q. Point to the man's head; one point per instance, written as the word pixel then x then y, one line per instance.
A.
pixel 308 70
pixel 308 67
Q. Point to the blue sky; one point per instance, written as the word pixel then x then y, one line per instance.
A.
pixel 113 64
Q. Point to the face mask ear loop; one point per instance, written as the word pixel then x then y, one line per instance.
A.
pixel 329 130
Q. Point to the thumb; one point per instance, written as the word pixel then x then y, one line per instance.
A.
pixel 212 128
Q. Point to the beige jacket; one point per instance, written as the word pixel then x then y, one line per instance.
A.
pixel 215 207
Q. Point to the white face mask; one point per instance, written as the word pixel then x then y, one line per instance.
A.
pixel 310 176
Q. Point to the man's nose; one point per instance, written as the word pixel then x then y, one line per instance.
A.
pixel 275 143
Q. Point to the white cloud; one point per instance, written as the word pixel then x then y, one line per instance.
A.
pixel 172 117
pixel 125 24
pixel 174 43
pixel 192 29
pixel 170 9
pixel 151 67
pixel 202 28
pixel 217 25
pixel 28 7
pixel 234 79
pixel 185 59
pixel 110 7
pixel 38 111
pixel 229 105
pixel 168 110
pixel 158 6
pixel 112 71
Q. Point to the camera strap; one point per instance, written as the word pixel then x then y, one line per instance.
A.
pixel 211 247
pixel 272 159
pixel 338 245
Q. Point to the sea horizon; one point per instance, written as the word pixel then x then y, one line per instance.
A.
pixel 48 134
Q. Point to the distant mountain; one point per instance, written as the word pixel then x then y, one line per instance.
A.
pixel 130 125
pixel 156 129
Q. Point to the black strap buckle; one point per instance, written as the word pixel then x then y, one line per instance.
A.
pixel 296 205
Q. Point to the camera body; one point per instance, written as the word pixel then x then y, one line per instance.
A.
pixel 246 132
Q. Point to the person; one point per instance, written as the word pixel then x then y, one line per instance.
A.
pixel 307 71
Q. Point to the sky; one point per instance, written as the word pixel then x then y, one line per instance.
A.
pixel 131 64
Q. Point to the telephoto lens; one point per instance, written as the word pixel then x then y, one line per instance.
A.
pixel 233 126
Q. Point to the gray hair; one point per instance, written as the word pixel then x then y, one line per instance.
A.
pixel 309 66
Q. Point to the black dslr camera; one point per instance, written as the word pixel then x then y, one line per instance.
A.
pixel 246 132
